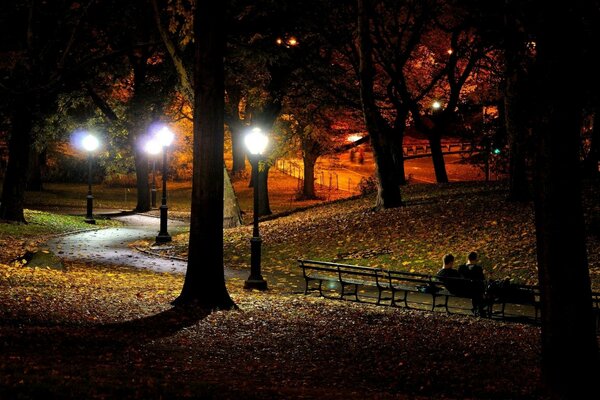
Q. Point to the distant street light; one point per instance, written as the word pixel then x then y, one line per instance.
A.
pixel 164 137
pixel 256 142
pixel 90 143
pixel 153 147
pixel 436 105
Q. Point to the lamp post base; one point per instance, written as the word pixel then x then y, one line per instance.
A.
pixel 163 238
pixel 90 221
pixel 255 283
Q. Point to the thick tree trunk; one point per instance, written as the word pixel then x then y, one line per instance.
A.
pixel 388 194
pixel 437 156
pixel 308 188
pixel 19 146
pixel 204 283
pixel 570 358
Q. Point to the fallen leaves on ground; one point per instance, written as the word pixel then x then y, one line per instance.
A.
pixel 107 332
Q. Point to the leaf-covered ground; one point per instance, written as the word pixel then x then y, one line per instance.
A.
pixel 98 332
pixel 95 332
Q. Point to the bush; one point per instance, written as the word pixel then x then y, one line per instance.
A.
pixel 367 185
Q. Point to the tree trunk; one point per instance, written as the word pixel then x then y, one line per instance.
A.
pixel 388 193
pixel 141 173
pixel 397 149
pixel 13 189
pixel 308 189
pixel 437 156
pixel 570 359
pixel 204 283
pixel 264 208
pixel 238 150
pixel 36 163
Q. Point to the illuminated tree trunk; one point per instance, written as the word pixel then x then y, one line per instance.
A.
pixel 308 187
pixel 204 284
pixel 264 207
pixel 236 127
pixel 437 156
pixel 570 358
pixel 13 188
pixel 388 193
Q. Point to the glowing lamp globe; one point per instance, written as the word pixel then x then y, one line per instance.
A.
pixel 164 136
pixel 90 143
pixel 256 141
pixel 152 147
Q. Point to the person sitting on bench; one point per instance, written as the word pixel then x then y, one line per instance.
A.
pixel 476 283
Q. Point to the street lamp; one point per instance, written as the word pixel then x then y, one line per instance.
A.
pixel 153 147
pixel 90 143
pixel 256 141
pixel 164 137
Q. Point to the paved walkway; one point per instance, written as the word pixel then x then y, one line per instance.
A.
pixel 111 245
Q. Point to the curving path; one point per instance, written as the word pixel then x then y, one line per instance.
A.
pixel 110 245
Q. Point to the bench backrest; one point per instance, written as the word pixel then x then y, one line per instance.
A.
pixel 410 278
pixel 342 270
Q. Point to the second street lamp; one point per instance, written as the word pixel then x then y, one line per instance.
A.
pixel 164 136
pixel 90 143
pixel 256 141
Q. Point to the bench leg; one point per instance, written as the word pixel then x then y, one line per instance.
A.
pixel 444 304
pixel 405 298
pixel 321 287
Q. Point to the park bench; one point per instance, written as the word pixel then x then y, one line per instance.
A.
pixel 403 283
pixel 512 293
pixel 349 277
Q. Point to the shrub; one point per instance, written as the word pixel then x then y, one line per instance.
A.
pixel 367 185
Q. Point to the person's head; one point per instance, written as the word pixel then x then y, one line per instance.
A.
pixel 472 257
pixel 448 260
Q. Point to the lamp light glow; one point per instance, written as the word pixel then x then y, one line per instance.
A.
pixel 256 141
pixel 90 143
pixel 436 105
pixel 164 136
pixel 153 147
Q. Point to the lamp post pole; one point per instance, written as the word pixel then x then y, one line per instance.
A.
pixel 255 280
pixel 90 143
pixel 163 235
pixel 89 217
pixel 153 190
pixel 256 141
